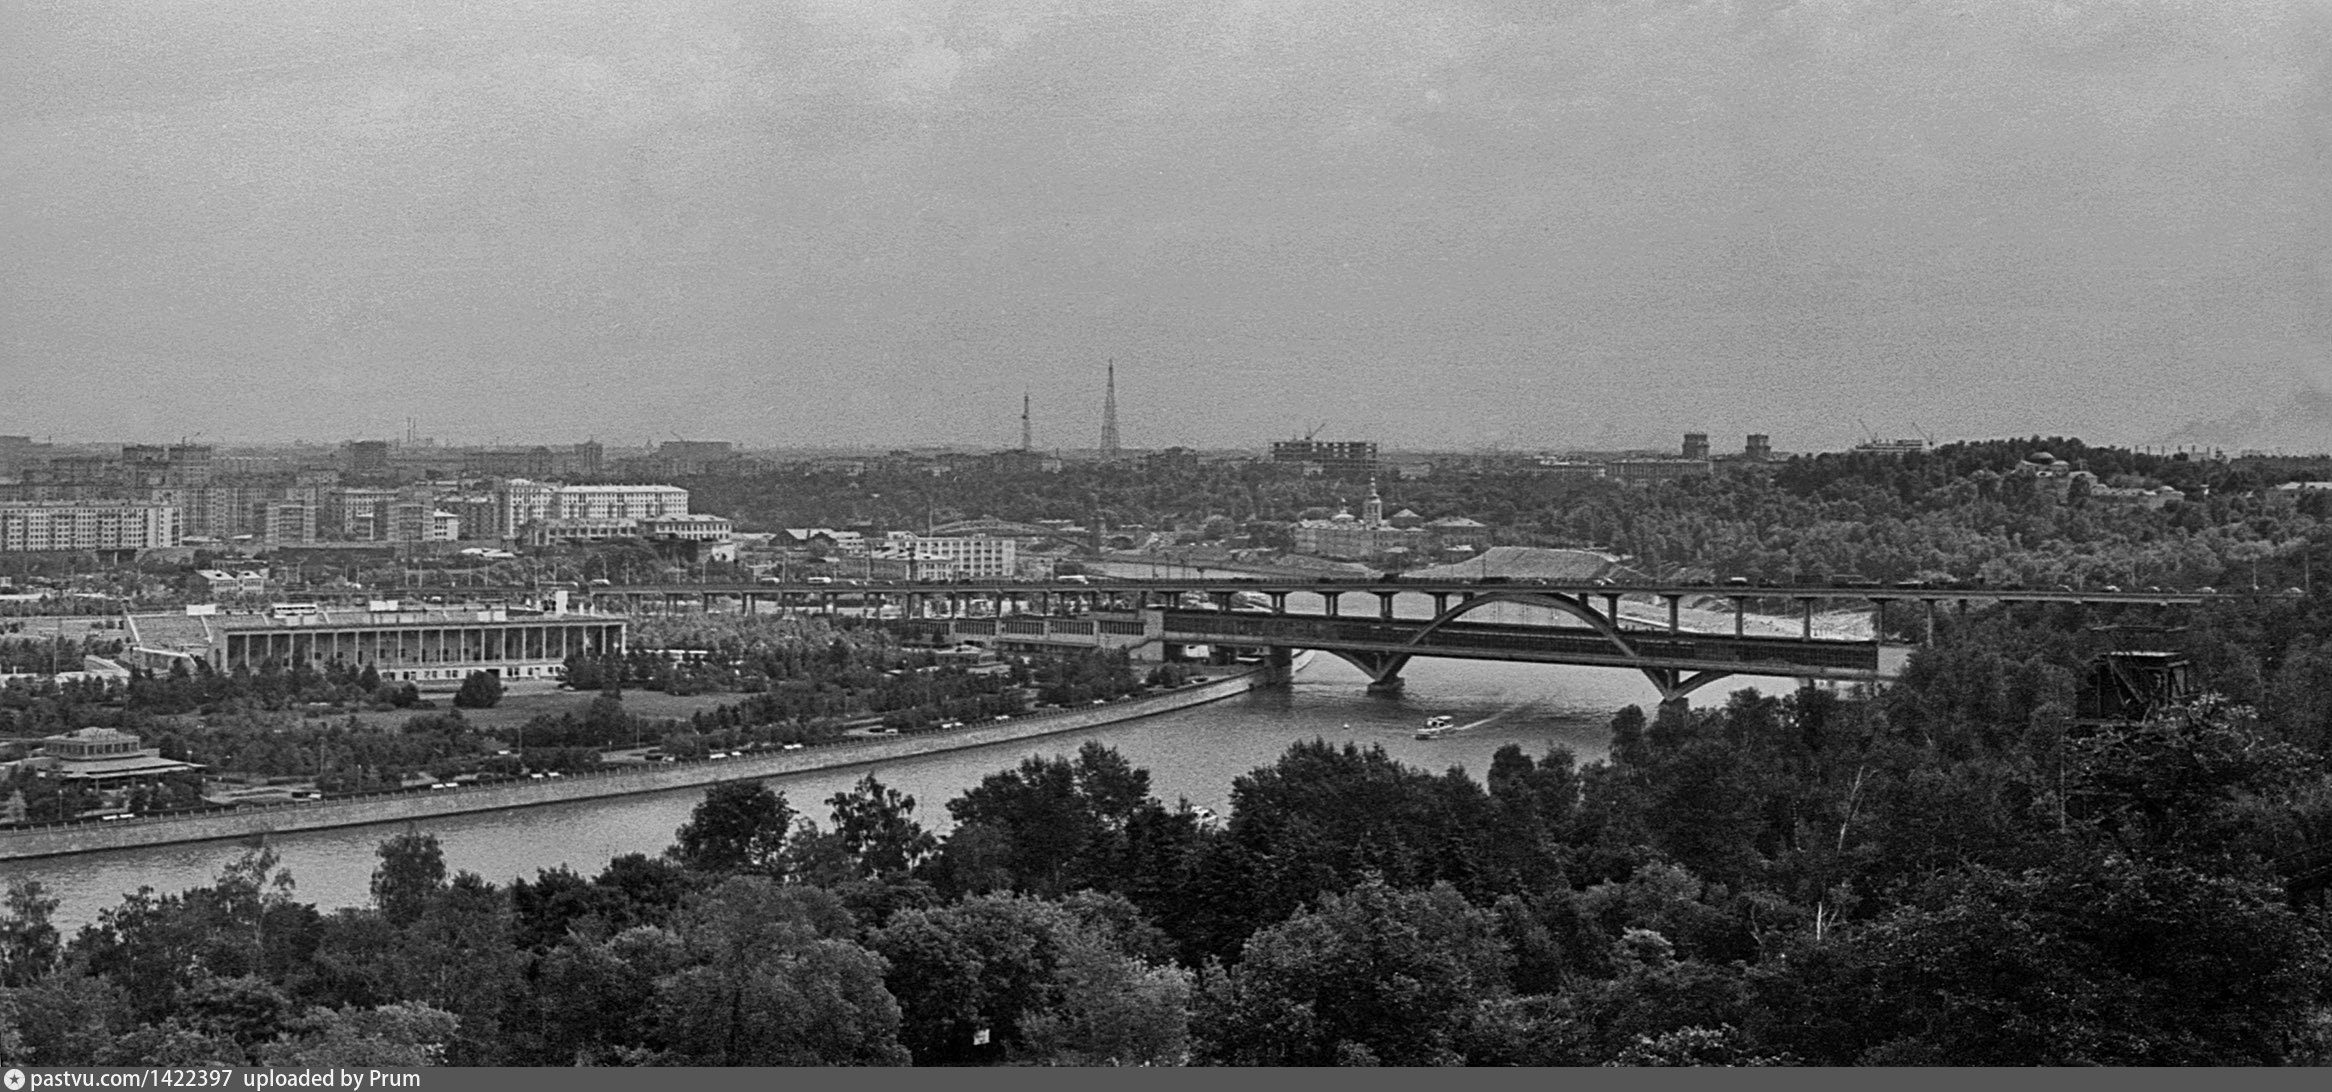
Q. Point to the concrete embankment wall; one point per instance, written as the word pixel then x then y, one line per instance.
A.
pixel 617 781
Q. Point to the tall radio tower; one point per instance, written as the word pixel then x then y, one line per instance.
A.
pixel 1027 441
pixel 1109 415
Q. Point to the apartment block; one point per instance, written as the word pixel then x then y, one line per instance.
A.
pixel 87 525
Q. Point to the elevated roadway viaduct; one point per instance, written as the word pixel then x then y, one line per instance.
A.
pixel 1266 613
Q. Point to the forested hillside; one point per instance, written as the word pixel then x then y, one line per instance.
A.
pixel 1964 511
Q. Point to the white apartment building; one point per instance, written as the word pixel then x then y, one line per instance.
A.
pixel 87 525
pixel 970 555
pixel 359 512
pixel 520 502
pixel 289 522
pixel 619 501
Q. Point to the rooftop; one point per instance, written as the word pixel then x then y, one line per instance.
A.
pixel 1525 562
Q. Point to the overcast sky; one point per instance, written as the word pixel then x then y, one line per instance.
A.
pixel 1434 223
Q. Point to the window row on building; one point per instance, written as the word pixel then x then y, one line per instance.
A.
pixel 87 525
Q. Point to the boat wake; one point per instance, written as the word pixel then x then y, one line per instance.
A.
pixel 1439 727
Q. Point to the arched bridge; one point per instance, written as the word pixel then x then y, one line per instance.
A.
pixel 1677 662
pixel 1256 612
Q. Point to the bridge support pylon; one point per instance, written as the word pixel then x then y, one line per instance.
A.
pixel 1675 686
pixel 1384 669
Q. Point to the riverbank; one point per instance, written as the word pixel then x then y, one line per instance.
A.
pixel 401 807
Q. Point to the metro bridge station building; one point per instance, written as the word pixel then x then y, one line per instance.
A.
pixel 434 645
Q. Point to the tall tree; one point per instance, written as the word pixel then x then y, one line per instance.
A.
pixel 29 943
pixel 774 980
pixel 739 826
pixel 877 826
pixel 409 877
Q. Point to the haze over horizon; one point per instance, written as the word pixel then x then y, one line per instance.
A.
pixel 1439 224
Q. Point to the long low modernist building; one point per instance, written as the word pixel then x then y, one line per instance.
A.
pixel 426 645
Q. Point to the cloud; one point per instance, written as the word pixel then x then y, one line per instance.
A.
pixel 1997 215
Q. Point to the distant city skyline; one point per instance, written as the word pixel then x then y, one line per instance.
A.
pixel 1437 224
pixel 1719 445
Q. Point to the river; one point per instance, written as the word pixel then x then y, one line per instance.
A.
pixel 1193 754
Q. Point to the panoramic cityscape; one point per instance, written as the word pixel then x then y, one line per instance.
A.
pixel 1072 532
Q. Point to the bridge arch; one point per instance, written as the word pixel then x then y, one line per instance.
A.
pixel 1672 684
pixel 1567 604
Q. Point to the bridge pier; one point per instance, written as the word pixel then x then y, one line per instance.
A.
pixel 1278 601
pixel 1675 606
pixel 1385 604
pixel 1676 687
pixel 1383 668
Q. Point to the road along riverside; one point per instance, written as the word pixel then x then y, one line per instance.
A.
pixel 398 807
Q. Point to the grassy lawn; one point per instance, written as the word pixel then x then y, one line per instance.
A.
pixel 519 707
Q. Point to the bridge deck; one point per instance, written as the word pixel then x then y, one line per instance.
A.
pixel 1538 644
pixel 1364 586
